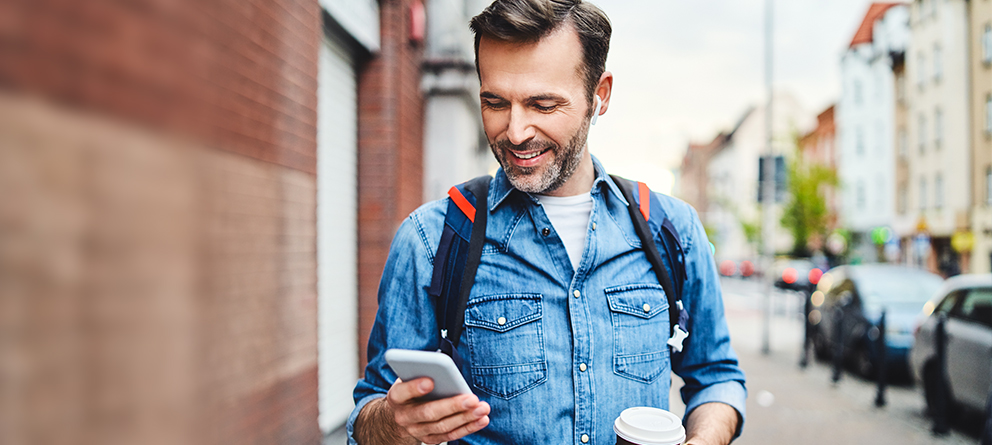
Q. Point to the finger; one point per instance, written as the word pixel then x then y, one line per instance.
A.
pixel 402 393
pixel 434 411
pixel 460 432
pixel 450 423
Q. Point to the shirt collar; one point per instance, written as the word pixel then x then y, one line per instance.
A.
pixel 502 187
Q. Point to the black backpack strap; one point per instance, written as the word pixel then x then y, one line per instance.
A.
pixel 641 210
pixel 457 259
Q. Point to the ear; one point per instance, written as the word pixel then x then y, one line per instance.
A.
pixel 604 91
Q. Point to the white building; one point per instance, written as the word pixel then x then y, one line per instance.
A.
pixel 733 176
pixel 937 89
pixel 455 145
pixel 866 124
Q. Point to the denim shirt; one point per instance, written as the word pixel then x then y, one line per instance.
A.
pixel 559 353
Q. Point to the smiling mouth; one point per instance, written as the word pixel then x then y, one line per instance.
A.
pixel 530 155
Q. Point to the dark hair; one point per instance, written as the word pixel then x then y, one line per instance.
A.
pixel 531 20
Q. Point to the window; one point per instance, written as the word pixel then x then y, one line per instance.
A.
pixel 901 88
pixel 938 128
pixel 859 141
pixel 923 194
pixel 903 143
pixel 988 186
pixel 901 203
pixel 921 70
pixel 923 133
pixel 988 115
pixel 938 69
pixel 860 195
pixel 857 92
pixel 987 44
pixel 977 306
pixel 879 138
pixel 880 192
pixel 938 191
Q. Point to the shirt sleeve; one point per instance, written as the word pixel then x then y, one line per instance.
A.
pixel 708 365
pixel 405 318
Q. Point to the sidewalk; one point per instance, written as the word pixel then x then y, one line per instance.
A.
pixel 787 404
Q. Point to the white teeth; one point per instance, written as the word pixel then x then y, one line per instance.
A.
pixel 528 156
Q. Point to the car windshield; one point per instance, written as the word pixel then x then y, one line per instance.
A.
pixel 897 289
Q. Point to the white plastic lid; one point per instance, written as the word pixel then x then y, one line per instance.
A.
pixel 649 426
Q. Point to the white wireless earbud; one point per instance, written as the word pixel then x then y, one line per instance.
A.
pixel 599 106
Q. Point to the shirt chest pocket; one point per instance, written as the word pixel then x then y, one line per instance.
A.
pixel 639 315
pixel 506 343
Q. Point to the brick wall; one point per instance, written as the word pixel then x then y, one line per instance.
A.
pixel 157 235
pixel 390 152
pixel 239 75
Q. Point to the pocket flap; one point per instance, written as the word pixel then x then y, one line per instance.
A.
pixel 639 300
pixel 501 313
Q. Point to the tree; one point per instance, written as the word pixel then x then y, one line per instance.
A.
pixel 805 213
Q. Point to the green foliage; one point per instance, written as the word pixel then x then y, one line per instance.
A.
pixel 805 214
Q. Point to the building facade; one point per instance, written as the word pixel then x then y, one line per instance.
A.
pixel 455 144
pixel 733 177
pixel 980 44
pixel 866 119
pixel 939 136
pixel 693 175
pixel 819 146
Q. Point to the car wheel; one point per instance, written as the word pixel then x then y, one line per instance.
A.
pixel 930 382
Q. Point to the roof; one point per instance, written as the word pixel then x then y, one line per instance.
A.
pixel 875 11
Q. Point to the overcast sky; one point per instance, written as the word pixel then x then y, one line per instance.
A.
pixel 684 70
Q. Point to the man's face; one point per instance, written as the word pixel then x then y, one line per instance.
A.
pixel 534 108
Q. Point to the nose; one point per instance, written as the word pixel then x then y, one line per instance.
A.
pixel 519 129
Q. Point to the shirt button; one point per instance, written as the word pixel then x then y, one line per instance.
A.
pixel 647 307
pixel 501 321
pixel 583 367
pixel 584 438
pixel 593 226
pixel 576 293
pixel 545 231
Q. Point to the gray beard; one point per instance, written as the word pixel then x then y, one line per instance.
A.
pixel 566 161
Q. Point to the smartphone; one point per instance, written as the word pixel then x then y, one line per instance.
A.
pixel 409 364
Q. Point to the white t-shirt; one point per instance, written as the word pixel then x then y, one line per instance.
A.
pixel 570 217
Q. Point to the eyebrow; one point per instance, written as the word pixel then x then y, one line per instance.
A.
pixel 537 98
pixel 542 97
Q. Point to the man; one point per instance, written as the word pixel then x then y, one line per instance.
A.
pixel 566 324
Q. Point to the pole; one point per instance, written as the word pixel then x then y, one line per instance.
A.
pixel 881 368
pixel 807 330
pixel 838 357
pixel 768 187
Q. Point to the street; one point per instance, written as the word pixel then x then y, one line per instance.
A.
pixel 787 404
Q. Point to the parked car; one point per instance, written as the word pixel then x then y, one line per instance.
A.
pixel 858 295
pixel 966 302
pixel 796 274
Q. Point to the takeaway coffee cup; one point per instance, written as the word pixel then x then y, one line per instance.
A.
pixel 643 425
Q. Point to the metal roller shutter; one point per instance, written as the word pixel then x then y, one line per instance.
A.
pixel 337 233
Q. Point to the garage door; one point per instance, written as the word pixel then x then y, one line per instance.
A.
pixel 337 233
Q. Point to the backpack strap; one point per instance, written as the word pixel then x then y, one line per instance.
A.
pixel 457 259
pixel 649 218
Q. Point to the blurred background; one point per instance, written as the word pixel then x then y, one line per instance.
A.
pixel 197 199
